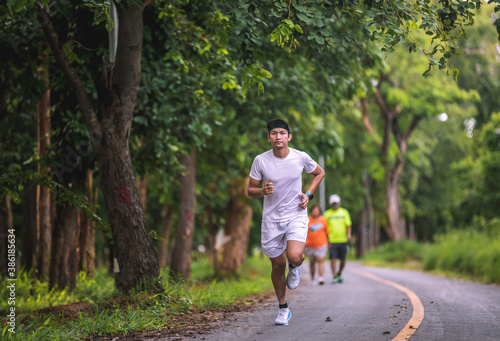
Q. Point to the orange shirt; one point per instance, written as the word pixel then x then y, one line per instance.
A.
pixel 317 233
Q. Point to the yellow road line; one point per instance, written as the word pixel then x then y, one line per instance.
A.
pixel 418 307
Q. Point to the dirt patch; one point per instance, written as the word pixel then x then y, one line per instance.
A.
pixel 67 311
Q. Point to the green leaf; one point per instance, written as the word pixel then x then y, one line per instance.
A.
pixel 304 18
pixel 15 6
pixel 318 22
pixel 265 73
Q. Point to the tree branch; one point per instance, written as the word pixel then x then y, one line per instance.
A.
pixel 68 70
pixel 366 120
pixel 388 120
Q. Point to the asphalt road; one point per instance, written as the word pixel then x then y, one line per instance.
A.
pixel 374 304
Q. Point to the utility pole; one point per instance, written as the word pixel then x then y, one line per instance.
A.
pixel 322 194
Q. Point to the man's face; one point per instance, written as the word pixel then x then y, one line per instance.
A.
pixel 279 138
pixel 335 205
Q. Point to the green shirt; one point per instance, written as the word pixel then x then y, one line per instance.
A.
pixel 338 220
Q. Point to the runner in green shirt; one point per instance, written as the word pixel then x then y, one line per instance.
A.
pixel 339 233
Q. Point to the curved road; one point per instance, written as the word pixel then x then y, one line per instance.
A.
pixel 374 304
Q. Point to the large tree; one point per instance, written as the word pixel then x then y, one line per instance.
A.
pixel 404 99
pixel 109 127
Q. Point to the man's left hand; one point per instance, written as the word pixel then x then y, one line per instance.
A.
pixel 305 201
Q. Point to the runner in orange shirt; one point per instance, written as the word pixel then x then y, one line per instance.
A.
pixel 317 243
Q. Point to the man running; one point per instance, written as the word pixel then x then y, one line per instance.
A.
pixel 339 233
pixel 284 217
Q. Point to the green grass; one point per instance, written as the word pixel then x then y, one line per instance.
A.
pixel 114 314
pixel 468 254
pixel 33 294
pixel 405 254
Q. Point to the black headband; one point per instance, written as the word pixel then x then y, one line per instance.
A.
pixel 278 124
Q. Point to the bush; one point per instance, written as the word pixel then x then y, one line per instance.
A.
pixel 470 253
pixel 397 252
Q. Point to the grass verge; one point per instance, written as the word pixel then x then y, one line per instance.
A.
pixel 101 312
pixel 467 254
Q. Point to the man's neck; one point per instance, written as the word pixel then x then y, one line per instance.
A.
pixel 282 152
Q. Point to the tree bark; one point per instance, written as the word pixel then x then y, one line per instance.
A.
pixel 181 254
pixel 6 224
pixel 370 211
pixel 65 252
pixel 136 258
pixel 87 235
pixel 213 228
pixel 166 228
pixel 376 239
pixel 29 229
pixel 237 229
pixel 366 228
pixel 393 210
pixel 44 201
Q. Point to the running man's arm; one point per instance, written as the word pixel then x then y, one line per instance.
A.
pixel 255 191
pixel 318 174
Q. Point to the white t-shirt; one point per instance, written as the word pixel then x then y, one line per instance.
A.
pixel 286 175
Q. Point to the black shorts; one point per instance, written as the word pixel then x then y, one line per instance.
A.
pixel 338 251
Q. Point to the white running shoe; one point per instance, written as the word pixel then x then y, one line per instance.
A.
pixel 321 281
pixel 293 278
pixel 284 315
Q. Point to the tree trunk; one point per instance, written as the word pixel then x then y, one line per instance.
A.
pixel 136 258
pixel 133 246
pixel 393 210
pixel 44 202
pixel 371 219
pixel 213 228
pixel 29 230
pixel 6 224
pixel 366 228
pixel 412 235
pixel 181 255
pixel 166 227
pixel 376 239
pixel 361 235
pixel 65 252
pixel 237 229
pixel 87 235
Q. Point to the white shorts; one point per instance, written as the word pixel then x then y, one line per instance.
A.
pixel 275 235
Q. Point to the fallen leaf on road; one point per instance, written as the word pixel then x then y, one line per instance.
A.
pixel 328 319
pixel 386 333
pixel 393 315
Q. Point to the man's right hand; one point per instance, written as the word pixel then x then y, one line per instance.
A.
pixel 268 187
